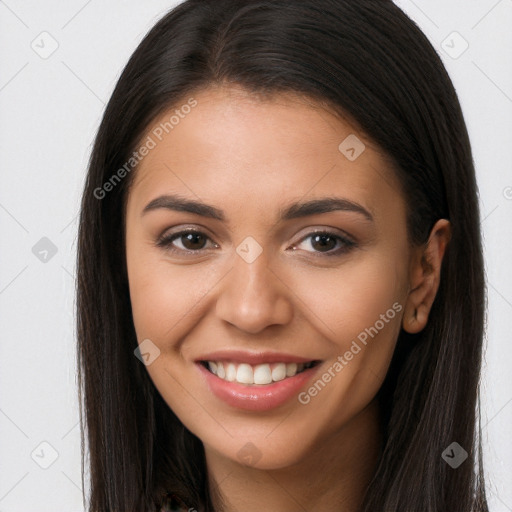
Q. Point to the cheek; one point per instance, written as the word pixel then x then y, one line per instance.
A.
pixel 341 302
pixel 167 299
pixel 159 299
pixel 359 312
pixel 358 308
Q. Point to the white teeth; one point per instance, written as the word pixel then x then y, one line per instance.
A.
pixel 231 372
pixel 279 372
pixel 244 374
pixel 258 374
pixel 220 371
pixel 262 374
pixel 291 369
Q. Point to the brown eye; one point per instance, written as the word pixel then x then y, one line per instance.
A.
pixel 324 243
pixel 193 241
pixel 190 241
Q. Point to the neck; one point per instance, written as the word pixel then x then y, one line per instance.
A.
pixel 333 477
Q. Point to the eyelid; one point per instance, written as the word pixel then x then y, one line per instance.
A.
pixel 327 230
pixel 183 228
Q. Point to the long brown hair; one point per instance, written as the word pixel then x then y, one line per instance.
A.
pixel 369 61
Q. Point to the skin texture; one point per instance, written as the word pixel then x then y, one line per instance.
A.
pixel 251 158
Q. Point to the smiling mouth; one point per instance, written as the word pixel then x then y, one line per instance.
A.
pixel 258 374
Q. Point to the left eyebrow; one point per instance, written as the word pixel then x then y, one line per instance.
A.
pixel 293 211
pixel 323 205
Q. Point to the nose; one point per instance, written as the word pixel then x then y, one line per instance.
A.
pixel 253 296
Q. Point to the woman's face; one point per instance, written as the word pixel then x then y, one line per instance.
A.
pixel 256 290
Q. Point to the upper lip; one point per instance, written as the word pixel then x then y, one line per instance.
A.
pixel 253 358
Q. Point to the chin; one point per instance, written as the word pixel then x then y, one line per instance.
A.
pixel 261 452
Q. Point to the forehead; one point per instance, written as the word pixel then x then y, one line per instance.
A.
pixel 232 144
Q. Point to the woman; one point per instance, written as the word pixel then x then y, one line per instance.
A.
pixel 280 277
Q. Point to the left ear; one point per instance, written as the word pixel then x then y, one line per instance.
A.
pixel 425 276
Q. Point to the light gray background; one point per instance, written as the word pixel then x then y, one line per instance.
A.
pixel 49 112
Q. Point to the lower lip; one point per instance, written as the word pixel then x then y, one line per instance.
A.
pixel 257 397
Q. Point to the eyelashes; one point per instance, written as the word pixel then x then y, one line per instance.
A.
pixel 319 238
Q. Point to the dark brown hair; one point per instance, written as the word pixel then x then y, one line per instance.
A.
pixel 371 63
